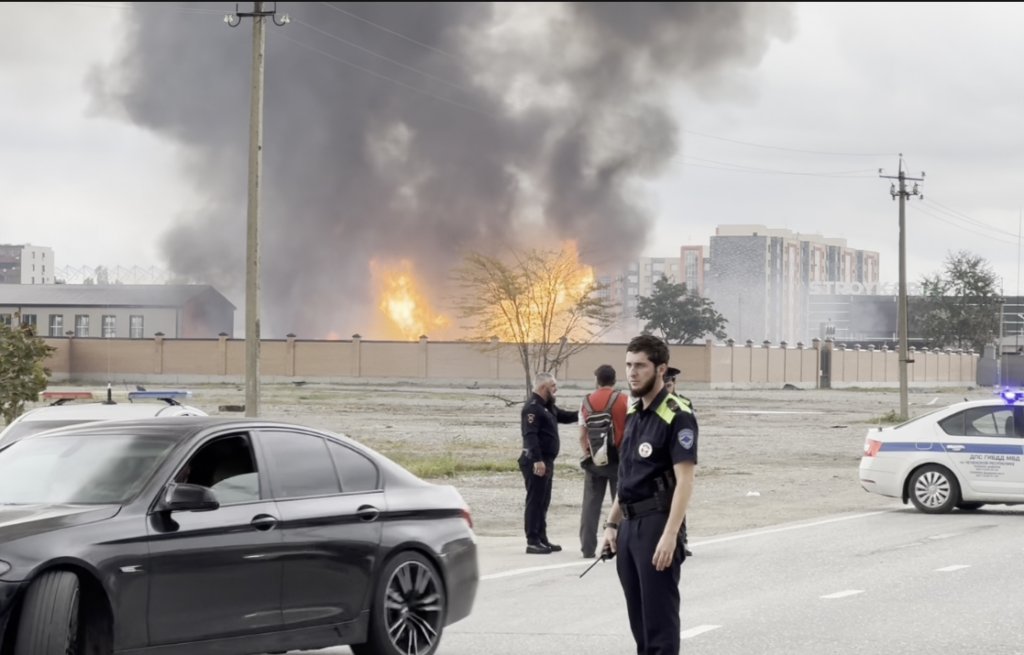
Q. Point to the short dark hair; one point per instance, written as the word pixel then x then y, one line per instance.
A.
pixel 605 375
pixel 650 345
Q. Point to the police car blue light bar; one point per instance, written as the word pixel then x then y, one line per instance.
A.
pixel 168 394
pixel 1011 395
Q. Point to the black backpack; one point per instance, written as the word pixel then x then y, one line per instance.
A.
pixel 601 432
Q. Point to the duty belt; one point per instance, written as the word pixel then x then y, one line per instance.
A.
pixel 642 507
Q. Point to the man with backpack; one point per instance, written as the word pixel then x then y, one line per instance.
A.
pixel 602 425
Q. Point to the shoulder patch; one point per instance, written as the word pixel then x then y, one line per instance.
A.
pixel 686 437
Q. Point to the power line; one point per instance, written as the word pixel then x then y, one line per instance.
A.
pixel 957 214
pixel 393 32
pixel 384 77
pixel 380 56
pixel 742 168
pixel 799 150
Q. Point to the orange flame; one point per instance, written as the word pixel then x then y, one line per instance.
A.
pixel 406 308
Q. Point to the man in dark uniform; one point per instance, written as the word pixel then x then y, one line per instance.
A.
pixel 671 373
pixel 656 466
pixel 537 462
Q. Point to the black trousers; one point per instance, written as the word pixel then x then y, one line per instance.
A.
pixel 652 596
pixel 538 499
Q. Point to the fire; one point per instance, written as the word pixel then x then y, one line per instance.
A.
pixel 406 308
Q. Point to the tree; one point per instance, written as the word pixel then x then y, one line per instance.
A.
pixel 544 302
pixel 22 374
pixel 679 316
pixel 960 306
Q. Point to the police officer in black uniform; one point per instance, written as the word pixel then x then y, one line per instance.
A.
pixel 537 462
pixel 671 373
pixel 644 528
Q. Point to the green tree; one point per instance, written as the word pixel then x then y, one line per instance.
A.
pixel 677 315
pixel 960 305
pixel 546 303
pixel 22 374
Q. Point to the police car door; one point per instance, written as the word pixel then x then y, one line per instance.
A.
pixel 985 445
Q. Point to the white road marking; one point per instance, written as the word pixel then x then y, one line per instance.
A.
pixel 843 594
pixel 955 567
pixel 699 630
pixel 745 535
pixel 787 528
pixel 768 411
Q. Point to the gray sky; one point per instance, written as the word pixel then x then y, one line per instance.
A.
pixel 852 85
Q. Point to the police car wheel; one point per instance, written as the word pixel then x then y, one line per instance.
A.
pixel 969 507
pixel 933 489
pixel 409 609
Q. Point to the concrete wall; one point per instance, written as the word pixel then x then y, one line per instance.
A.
pixel 714 365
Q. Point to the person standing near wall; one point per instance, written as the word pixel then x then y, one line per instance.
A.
pixel 606 400
pixel 540 419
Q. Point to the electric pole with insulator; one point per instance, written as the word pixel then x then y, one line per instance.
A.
pixel 252 241
pixel 903 194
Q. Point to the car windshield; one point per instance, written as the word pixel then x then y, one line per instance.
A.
pixel 97 469
pixel 25 428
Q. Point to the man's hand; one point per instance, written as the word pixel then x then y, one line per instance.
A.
pixel 608 542
pixel 539 469
pixel 665 551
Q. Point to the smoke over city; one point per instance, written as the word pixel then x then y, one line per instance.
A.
pixel 417 131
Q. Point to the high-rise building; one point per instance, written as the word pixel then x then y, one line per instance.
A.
pixel 759 279
pixel 26 264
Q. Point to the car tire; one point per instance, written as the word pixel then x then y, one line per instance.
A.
pixel 969 507
pixel 49 616
pixel 409 609
pixel 933 489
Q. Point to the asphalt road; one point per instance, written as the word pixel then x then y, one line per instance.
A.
pixel 891 581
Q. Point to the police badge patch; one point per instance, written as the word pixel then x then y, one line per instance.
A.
pixel 686 438
pixel 645 449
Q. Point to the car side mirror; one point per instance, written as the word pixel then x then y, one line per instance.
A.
pixel 180 497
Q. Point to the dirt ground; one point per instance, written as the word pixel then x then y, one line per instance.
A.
pixel 766 456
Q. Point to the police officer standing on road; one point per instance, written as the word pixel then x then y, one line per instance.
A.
pixel 537 462
pixel 671 373
pixel 656 467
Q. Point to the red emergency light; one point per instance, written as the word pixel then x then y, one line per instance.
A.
pixel 61 397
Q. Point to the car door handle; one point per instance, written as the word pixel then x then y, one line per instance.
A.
pixel 263 522
pixel 954 446
pixel 368 513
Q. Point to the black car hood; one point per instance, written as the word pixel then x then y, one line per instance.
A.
pixel 17 521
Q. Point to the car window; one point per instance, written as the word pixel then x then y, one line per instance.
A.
pixel 981 422
pixel 356 471
pixel 301 465
pixel 226 465
pixel 97 469
pixel 26 428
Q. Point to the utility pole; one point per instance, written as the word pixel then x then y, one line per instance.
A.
pixel 903 195
pixel 252 232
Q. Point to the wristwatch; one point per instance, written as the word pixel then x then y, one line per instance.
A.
pixel 613 526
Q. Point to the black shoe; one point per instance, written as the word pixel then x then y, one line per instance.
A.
pixel 537 549
pixel 687 551
pixel 589 555
pixel 554 548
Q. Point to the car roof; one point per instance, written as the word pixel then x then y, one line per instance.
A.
pixel 178 428
pixel 100 411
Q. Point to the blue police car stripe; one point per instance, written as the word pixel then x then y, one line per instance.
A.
pixel 980 448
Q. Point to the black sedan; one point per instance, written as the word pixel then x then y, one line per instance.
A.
pixel 213 535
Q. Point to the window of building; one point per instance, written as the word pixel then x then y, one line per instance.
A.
pixel 28 320
pixel 56 325
pixel 81 325
pixel 5 319
pixel 109 326
pixel 135 326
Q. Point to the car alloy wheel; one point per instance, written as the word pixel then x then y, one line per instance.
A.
pixel 934 490
pixel 414 608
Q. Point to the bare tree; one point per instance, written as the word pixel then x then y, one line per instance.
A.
pixel 545 303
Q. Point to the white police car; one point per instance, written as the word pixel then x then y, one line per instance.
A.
pixel 65 409
pixel 966 455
